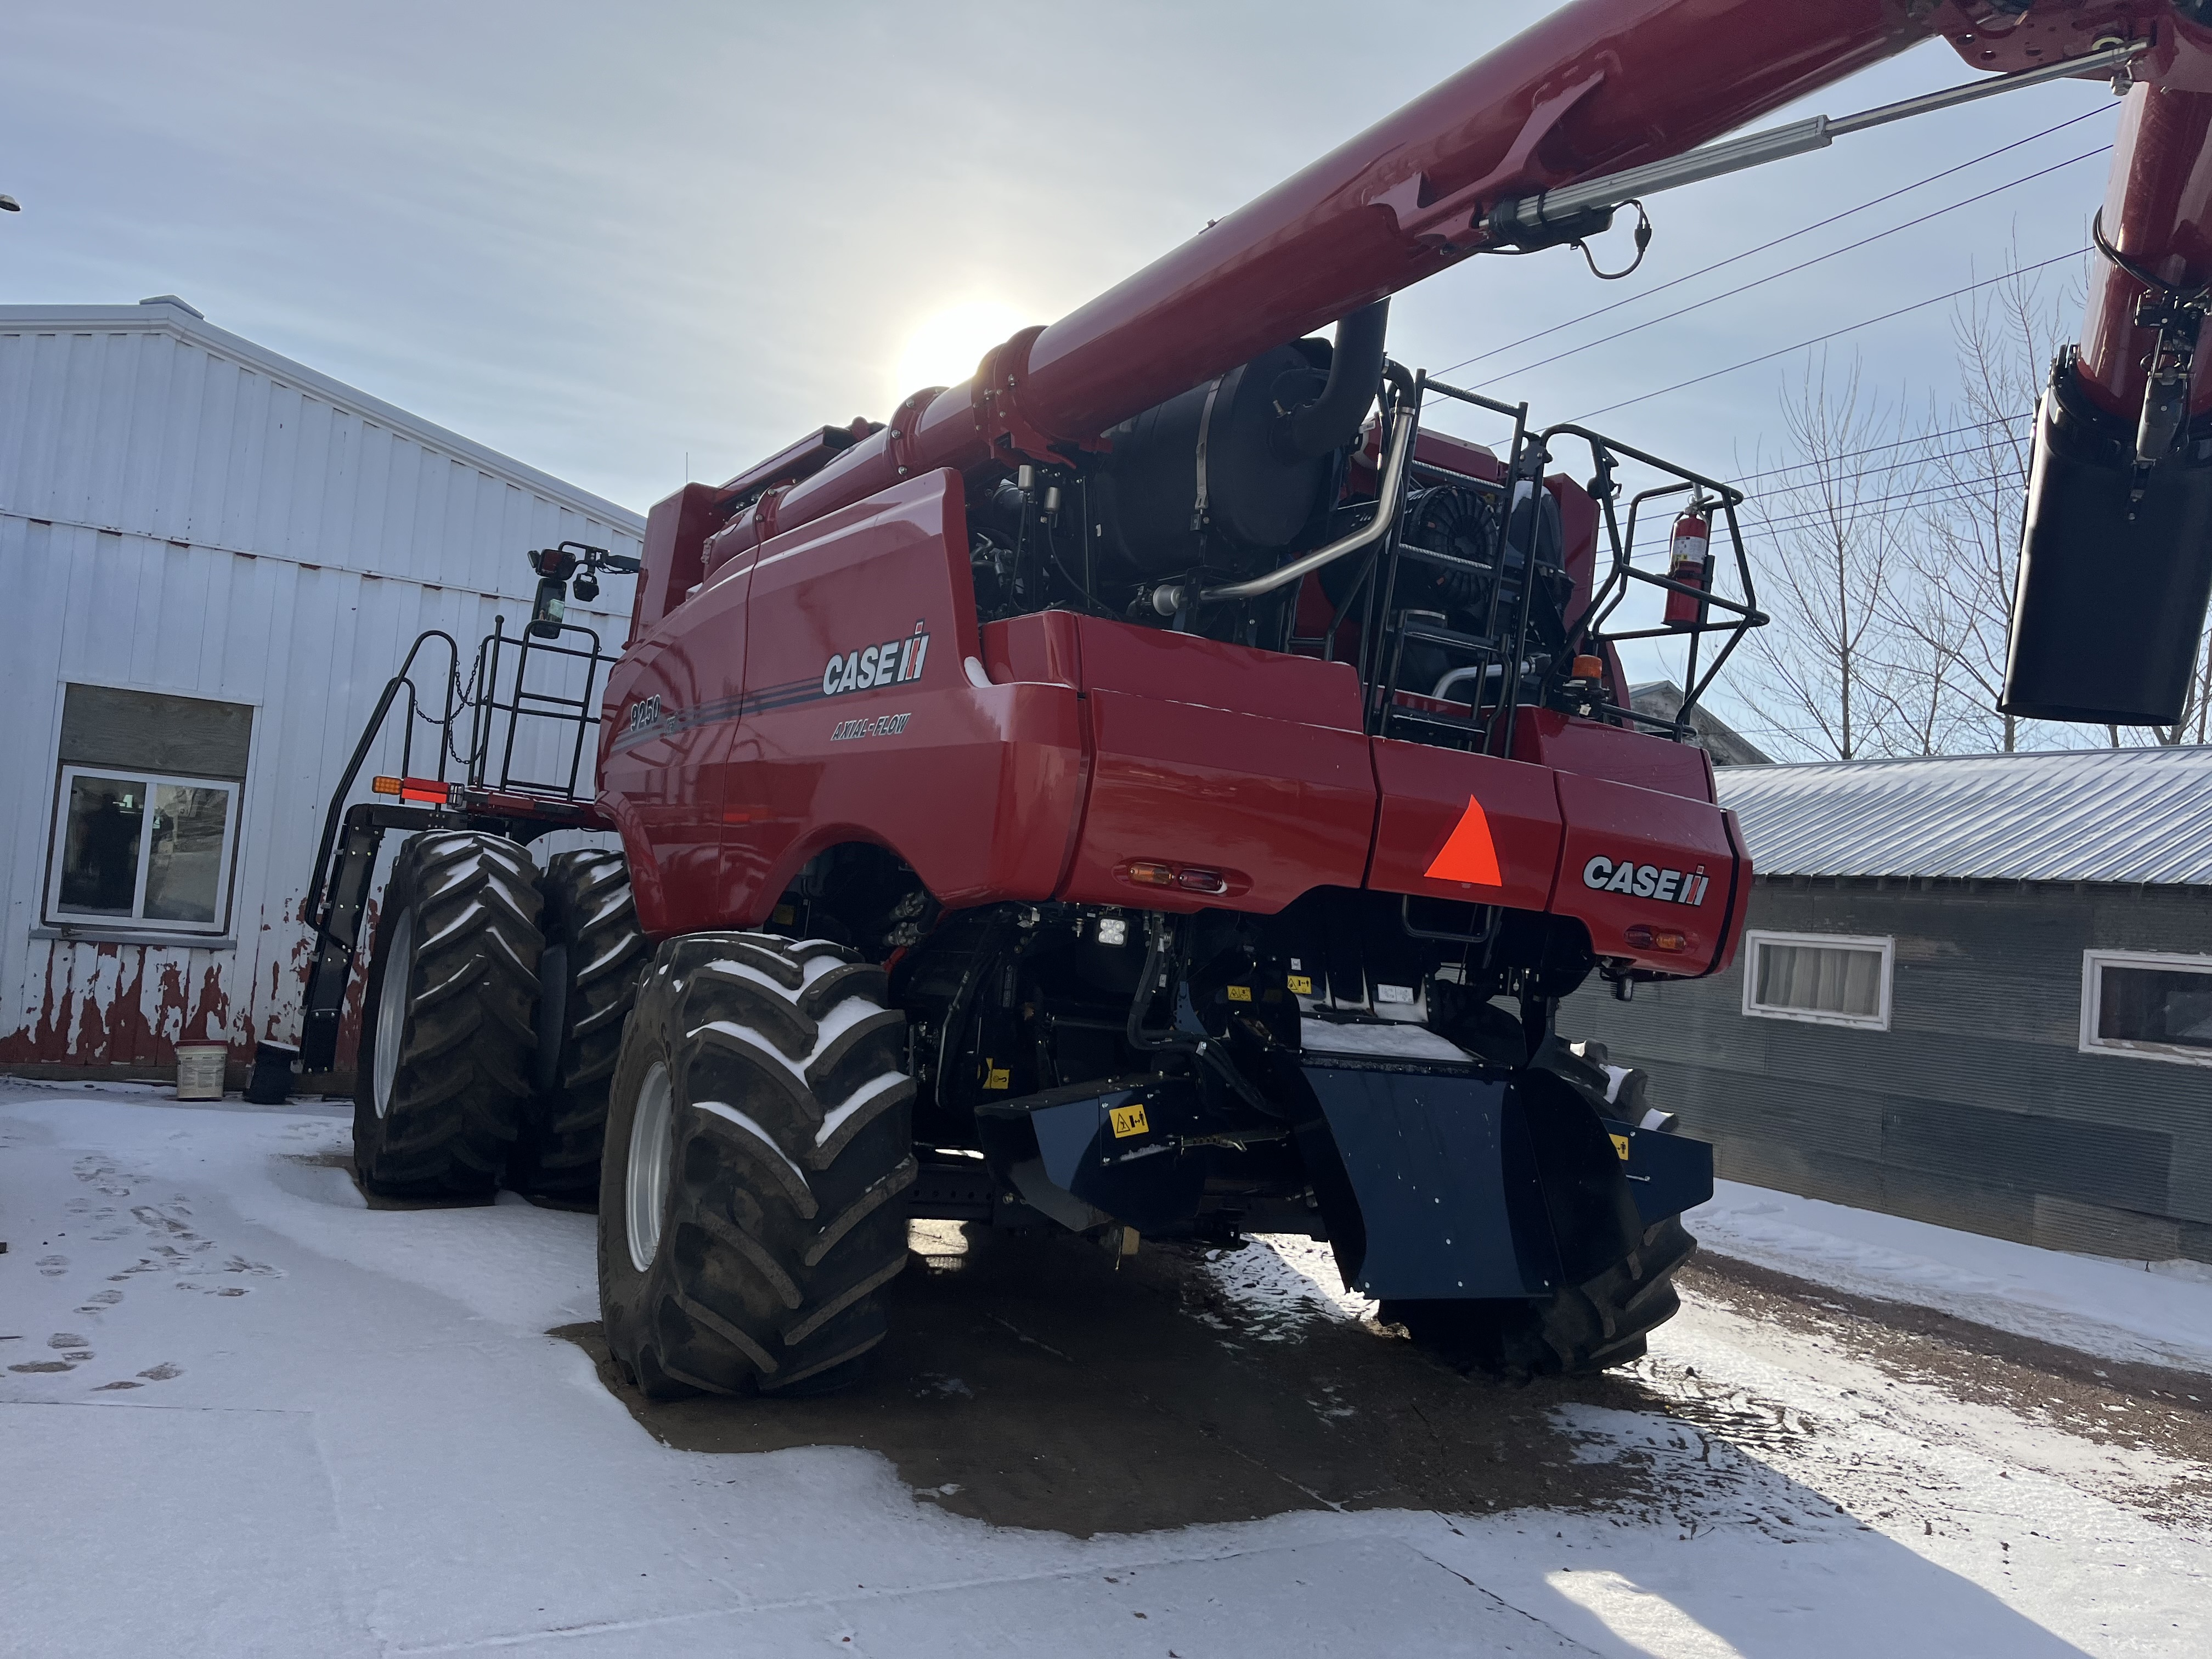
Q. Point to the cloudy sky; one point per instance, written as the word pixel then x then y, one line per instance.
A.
pixel 617 241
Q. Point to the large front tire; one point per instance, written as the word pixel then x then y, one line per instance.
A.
pixel 758 1143
pixel 447 1041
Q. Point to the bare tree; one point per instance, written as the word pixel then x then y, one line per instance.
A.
pixel 1963 549
pixel 1826 674
pixel 1892 550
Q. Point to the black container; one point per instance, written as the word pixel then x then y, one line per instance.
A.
pixel 272 1082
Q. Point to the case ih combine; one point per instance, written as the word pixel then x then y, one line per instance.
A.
pixel 1163 787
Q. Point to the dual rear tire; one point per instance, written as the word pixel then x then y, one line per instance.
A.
pixel 448 1038
pixel 495 1000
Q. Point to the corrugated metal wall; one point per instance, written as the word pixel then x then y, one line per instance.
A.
pixel 1976 1109
pixel 182 512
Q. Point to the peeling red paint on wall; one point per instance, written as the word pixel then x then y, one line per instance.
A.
pixel 96 1007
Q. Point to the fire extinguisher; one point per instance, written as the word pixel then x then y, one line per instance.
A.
pixel 1690 562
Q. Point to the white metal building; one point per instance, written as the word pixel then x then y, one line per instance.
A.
pixel 211 560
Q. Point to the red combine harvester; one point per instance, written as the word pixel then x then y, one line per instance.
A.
pixel 1161 787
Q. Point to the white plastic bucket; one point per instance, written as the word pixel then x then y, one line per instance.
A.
pixel 199 1070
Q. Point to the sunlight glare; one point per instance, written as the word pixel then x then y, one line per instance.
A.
pixel 944 350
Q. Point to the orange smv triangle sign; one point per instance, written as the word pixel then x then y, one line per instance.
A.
pixel 1470 856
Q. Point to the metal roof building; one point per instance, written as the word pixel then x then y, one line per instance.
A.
pixel 1973 990
pixel 2125 815
pixel 213 557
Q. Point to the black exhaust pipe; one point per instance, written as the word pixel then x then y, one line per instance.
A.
pixel 2110 600
pixel 1355 368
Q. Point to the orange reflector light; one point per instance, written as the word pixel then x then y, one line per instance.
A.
pixel 1152 875
pixel 1645 938
pixel 1589 668
pixel 1203 881
pixel 383 785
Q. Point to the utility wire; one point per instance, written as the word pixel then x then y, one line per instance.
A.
pixel 1833 334
pixel 1790 236
pixel 1876 449
pixel 1789 270
pixel 1934 460
pixel 1957 492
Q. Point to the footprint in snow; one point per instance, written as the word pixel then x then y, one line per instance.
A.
pixel 53 1267
pixel 162 1372
pixel 44 1365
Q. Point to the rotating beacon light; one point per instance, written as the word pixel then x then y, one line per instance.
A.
pixel 1690 562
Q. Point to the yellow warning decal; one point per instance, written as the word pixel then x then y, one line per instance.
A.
pixel 1620 1145
pixel 1240 994
pixel 1128 1120
pixel 784 916
pixel 1300 984
pixel 1000 1077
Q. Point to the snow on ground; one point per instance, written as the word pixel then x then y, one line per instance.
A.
pixel 242 1414
pixel 2116 1309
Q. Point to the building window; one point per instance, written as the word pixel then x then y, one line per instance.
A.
pixel 1826 978
pixel 2139 1002
pixel 146 811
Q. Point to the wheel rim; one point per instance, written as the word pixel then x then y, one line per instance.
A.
pixel 392 1009
pixel 645 1183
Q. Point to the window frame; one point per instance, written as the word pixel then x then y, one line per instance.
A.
pixel 1754 1008
pixel 136 921
pixel 2092 993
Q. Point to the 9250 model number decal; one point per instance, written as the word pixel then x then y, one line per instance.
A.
pixel 882 726
pixel 1646 881
pixel 895 662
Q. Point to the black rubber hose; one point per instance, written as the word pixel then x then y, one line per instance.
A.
pixel 1331 420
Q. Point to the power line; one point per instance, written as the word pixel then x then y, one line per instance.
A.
pixel 1833 334
pixel 1876 449
pixel 1934 460
pixel 1790 271
pixel 1956 493
pixel 1790 236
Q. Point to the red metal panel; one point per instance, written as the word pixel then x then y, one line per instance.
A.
pixel 1276 806
pixel 1429 795
pixel 977 788
pixel 1740 900
pixel 2157 212
pixel 1042 646
pixel 1669 847
pixel 676 532
pixel 1152 662
pixel 665 724
pixel 1545 737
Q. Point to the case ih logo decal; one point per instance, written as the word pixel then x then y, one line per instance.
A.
pixel 892 663
pixel 1645 881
